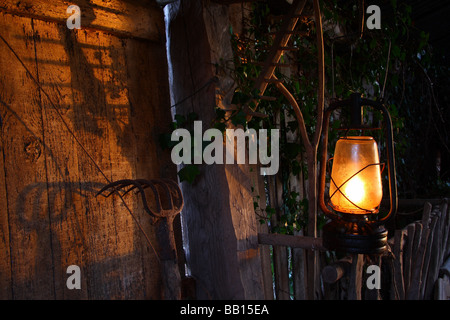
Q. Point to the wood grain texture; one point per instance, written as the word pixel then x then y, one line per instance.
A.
pixel 24 165
pixel 218 218
pixel 140 19
pixel 98 85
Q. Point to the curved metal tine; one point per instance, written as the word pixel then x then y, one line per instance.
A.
pixel 144 198
pixel 132 188
pixel 168 185
pixel 143 182
pixel 113 185
pixel 149 183
pixel 169 195
pixel 119 184
pixel 179 196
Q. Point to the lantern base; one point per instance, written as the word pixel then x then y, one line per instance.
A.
pixel 355 234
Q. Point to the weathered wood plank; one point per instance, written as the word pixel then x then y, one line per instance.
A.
pixel 444 230
pixel 442 291
pixel 101 89
pixel 61 160
pixel 446 237
pixel 140 19
pixel 355 277
pixel 122 152
pixel 24 164
pixel 114 263
pixel 431 267
pixel 218 215
pixel 408 254
pixel 280 255
pixel 263 228
pixel 5 258
pixel 298 270
pixel 149 116
pixel 426 215
pixel 417 239
pixel 416 272
pixel 398 264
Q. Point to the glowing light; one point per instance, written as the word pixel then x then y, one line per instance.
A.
pixel 354 190
pixel 356 155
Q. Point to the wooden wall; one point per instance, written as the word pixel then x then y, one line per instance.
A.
pixel 108 83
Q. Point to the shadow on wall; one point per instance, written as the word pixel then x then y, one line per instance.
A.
pixel 100 88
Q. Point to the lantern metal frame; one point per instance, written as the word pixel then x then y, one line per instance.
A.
pixel 358 233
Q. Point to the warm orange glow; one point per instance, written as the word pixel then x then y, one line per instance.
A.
pixel 364 190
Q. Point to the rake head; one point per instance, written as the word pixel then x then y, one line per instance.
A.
pixel 167 194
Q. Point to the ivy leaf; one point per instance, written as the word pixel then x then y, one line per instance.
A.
pixel 221 126
pixel 220 114
pixel 239 119
pixel 292 150
pixel 165 141
pixel 192 116
pixel 396 51
pixel 188 173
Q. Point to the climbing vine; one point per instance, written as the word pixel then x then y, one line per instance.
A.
pixel 387 63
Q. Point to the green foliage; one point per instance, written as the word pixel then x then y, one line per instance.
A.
pixel 189 172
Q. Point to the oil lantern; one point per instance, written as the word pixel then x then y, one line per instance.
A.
pixel 355 192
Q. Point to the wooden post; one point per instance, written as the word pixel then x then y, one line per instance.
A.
pixel 355 277
pixel 219 221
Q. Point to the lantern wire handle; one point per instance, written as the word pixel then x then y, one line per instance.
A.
pixel 338 188
pixel 387 70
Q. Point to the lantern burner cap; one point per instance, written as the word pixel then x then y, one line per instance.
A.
pixel 357 236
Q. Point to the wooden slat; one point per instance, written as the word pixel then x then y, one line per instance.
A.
pixel 280 256
pixel 398 263
pixel 408 254
pixel 444 229
pixel 63 188
pixel 259 189
pixel 24 165
pixel 355 277
pixel 431 268
pixel 140 19
pixel 416 272
pixel 5 257
pixel 148 118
